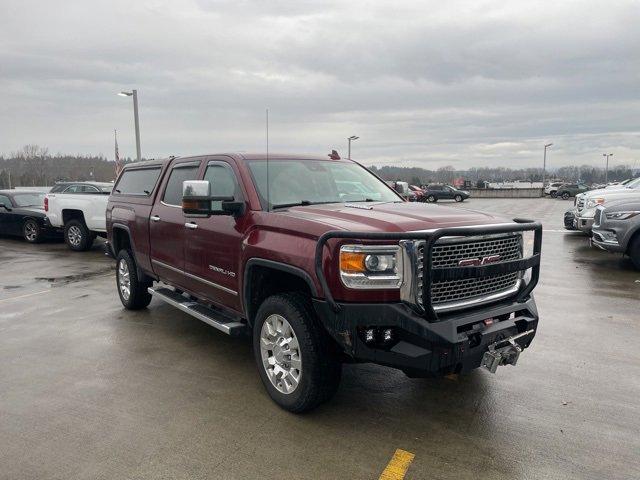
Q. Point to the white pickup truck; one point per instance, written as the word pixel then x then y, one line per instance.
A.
pixel 79 208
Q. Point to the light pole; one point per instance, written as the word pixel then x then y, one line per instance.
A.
pixel 606 172
pixel 134 94
pixel 544 165
pixel 351 138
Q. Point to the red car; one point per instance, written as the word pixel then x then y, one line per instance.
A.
pixel 320 273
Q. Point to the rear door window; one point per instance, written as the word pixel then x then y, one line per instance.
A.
pixel 139 181
pixel 179 174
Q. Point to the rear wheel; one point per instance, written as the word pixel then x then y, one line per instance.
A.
pixel 132 290
pixel 458 198
pixel 554 194
pixel 296 359
pixel 77 236
pixel 31 231
pixel 566 195
pixel 432 199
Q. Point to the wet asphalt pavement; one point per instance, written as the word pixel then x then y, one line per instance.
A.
pixel 90 390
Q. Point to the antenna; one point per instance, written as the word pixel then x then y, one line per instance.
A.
pixel 268 187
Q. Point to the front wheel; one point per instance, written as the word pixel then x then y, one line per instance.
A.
pixel 77 236
pixel 566 195
pixel 634 252
pixel 133 291
pixel 458 198
pixel 554 194
pixel 31 231
pixel 296 359
pixel 432 199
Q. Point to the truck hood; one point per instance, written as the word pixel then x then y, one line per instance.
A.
pixel 391 217
pixel 613 194
pixel 608 191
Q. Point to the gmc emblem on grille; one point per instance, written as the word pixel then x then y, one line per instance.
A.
pixel 476 262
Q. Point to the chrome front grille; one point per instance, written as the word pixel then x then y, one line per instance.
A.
pixel 580 203
pixel 450 252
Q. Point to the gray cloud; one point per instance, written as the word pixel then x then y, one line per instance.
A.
pixel 426 83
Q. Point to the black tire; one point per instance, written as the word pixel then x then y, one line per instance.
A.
pixel 634 251
pixel 554 194
pixel 77 236
pixel 31 231
pixel 566 195
pixel 138 296
pixel 321 368
pixel 458 198
pixel 431 199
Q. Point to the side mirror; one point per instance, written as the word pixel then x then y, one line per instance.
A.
pixel 197 200
pixel 4 207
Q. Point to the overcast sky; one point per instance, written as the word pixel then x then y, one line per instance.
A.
pixel 426 83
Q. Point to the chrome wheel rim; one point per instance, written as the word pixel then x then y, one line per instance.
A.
pixel 74 235
pixel 30 231
pixel 124 280
pixel 280 352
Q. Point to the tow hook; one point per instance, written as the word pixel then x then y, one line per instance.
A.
pixel 503 352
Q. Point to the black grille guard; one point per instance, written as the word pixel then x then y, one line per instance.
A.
pixel 447 273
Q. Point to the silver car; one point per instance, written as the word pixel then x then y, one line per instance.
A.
pixel 616 228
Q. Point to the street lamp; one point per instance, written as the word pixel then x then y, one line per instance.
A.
pixel 351 138
pixel 544 165
pixel 134 94
pixel 606 172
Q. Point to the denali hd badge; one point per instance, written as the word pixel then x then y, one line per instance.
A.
pixel 476 262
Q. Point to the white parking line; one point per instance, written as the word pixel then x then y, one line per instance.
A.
pixel 24 296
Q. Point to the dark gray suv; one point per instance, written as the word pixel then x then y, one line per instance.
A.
pixel 616 228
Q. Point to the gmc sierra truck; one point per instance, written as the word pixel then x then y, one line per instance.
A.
pixel 319 275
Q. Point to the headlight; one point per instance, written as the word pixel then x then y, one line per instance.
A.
pixel 620 215
pixel 594 202
pixel 371 267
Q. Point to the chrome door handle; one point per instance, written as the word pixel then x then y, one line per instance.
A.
pixel 191 225
pixel 155 218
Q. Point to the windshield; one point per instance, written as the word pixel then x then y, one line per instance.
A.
pixel 106 189
pixel 294 182
pixel 29 199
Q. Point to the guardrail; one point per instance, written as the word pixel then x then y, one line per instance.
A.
pixel 506 192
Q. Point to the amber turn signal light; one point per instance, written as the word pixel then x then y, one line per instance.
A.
pixel 352 262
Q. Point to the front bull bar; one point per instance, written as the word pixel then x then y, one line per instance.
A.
pixel 446 273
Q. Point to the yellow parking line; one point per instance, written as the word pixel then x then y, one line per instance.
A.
pixel 24 296
pixel 397 466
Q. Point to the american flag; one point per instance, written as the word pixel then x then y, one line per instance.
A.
pixel 118 162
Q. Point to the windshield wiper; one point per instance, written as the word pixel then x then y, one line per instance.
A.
pixel 302 203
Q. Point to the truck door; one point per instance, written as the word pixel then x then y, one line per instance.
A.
pixel 167 225
pixel 212 254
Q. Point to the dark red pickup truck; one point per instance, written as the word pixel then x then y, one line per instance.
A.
pixel 322 263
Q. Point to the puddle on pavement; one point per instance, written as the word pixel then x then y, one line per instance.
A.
pixel 66 279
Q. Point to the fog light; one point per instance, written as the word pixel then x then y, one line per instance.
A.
pixel 387 335
pixel 369 335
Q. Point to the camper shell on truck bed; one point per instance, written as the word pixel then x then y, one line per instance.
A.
pixel 320 275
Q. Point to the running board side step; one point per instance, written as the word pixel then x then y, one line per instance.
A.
pixel 216 318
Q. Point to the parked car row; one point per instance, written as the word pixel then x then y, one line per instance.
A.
pixel 74 211
pixel 429 193
pixel 611 217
